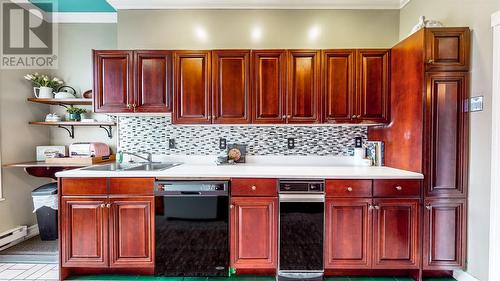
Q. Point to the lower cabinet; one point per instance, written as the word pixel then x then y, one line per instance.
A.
pixel 444 234
pixel 364 233
pixel 253 233
pixel 107 232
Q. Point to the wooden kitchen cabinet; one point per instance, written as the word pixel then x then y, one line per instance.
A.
pixel 132 81
pixel 269 86
pixel 192 96
pixel 113 81
pixel 338 67
pixel 84 232
pixel 444 234
pixel 396 242
pixel 131 231
pixel 231 86
pixel 153 81
pixel 253 234
pixel 304 79
pixel 372 99
pixel 348 233
pixel 447 49
pixel 446 127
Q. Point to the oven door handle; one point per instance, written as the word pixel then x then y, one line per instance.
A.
pixel 301 197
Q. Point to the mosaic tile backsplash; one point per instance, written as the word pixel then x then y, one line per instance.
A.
pixel 152 134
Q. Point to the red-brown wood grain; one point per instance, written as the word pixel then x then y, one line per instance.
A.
pixel 153 81
pixel 192 87
pixel 113 81
pixel 131 235
pixel 132 186
pixel 269 86
pixel 396 234
pixel 373 85
pixel 254 187
pixel 304 79
pixel 231 86
pixel 445 234
pixel 253 233
pixel 84 186
pixel 339 82
pixel 348 233
pixel 397 188
pixel 348 188
pixel 447 49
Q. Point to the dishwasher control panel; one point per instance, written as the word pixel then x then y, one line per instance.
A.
pixel 301 186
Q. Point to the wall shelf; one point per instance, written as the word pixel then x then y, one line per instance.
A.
pixel 70 126
pixel 62 102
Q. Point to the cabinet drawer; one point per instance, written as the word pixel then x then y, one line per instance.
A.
pixel 396 188
pixel 84 186
pixel 349 188
pixel 253 187
pixel 133 186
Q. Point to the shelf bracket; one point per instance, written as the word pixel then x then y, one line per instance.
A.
pixel 109 130
pixel 71 130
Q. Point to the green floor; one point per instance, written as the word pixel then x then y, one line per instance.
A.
pixel 239 278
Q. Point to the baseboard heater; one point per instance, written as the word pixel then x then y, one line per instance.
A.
pixel 11 237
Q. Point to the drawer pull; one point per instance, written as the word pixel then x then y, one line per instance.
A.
pixel 429 207
pixel 103 205
pixel 253 187
pixel 349 189
pixel 370 207
pixel 108 205
pixel 231 206
pixel 377 207
pixel 399 187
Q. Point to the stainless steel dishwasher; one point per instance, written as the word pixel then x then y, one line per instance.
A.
pixel 301 230
pixel 191 228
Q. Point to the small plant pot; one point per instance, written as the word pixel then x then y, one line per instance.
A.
pixel 75 116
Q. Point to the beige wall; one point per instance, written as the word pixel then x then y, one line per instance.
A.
pixel 76 42
pixel 475 14
pixel 196 29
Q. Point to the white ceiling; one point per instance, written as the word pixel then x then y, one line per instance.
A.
pixel 257 4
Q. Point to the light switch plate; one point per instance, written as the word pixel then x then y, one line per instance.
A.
pixel 476 104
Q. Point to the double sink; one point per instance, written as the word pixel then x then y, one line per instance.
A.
pixel 117 167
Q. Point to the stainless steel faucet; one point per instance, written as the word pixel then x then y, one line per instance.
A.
pixel 149 157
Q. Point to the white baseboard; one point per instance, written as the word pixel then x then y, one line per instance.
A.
pixel 461 275
pixel 31 231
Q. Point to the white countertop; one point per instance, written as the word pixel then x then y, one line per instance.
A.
pixel 255 170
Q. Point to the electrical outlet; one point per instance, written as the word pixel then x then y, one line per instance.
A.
pixel 171 143
pixel 476 104
pixel 358 142
pixel 222 143
pixel 290 143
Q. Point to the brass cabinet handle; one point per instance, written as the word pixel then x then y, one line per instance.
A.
pixel 108 205
pixel 103 205
pixel 430 61
pixel 253 187
pixel 128 105
pixel 231 206
pixel 349 189
pixel 428 207
pixel 370 207
pixel 399 188
pixel 377 207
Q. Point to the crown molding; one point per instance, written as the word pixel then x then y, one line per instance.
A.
pixel 259 4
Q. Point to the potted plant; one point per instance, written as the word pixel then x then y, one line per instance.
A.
pixel 75 113
pixel 43 84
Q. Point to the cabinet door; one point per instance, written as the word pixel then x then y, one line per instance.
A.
pixel 132 232
pixel 192 93
pixel 231 86
pixel 304 86
pixel 253 231
pixel 113 81
pixel 84 232
pixel 396 235
pixel 269 86
pixel 444 234
pixel 338 85
pixel 447 49
pixel 446 131
pixel 373 86
pixel 153 81
pixel 348 231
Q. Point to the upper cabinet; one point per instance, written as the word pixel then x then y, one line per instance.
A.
pixel 269 86
pixel 132 81
pixel 192 92
pixel 231 86
pixel 153 81
pixel 113 81
pixel 304 81
pixel 372 101
pixel 338 85
pixel 447 49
